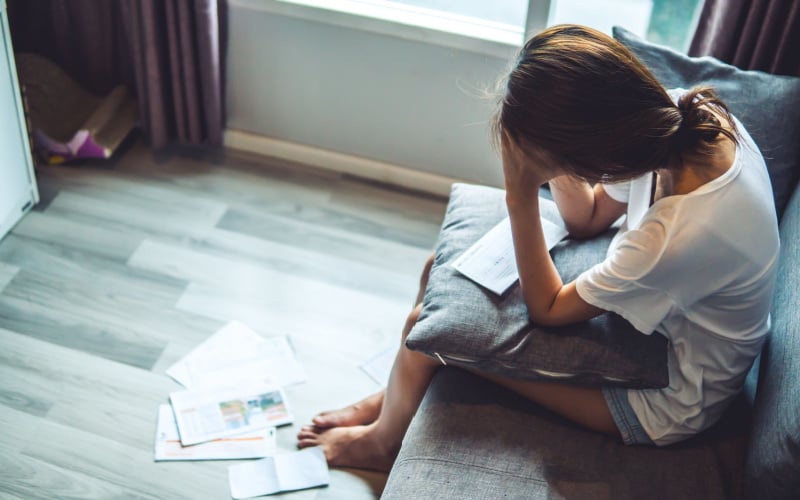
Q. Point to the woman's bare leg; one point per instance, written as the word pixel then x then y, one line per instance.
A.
pixel 423 279
pixel 367 410
pixel 375 445
pixel 585 406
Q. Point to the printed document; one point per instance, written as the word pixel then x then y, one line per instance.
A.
pixel 293 471
pixel 491 261
pixel 236 355
pixel 207 415
pixel 256 444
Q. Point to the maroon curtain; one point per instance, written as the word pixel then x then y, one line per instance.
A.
pixel 751 34
pixel 170 53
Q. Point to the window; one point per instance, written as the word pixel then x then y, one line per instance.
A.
pixel 511 12
pixel 667 22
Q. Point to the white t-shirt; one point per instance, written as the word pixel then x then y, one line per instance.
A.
pixel 699 268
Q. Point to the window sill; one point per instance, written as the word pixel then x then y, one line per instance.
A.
pixel 407 22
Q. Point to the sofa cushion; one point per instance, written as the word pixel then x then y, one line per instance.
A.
pixel 463 323
pixel 473 439
pixel 767 105
pixel 773 464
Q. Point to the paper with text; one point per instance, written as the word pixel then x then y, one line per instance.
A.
pixel 236 355
pixel 256 444
pixel 491 261
pixel 207 415
pixel 293 471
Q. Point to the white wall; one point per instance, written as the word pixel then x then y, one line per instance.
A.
pixel 362 93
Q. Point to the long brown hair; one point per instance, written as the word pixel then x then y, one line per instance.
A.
pixel 585 98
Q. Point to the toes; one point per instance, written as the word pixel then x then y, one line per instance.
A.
pixel 307 434
pixel 323 420
pixel 307 438
pixel 307 443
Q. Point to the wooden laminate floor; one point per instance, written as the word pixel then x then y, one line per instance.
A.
pixel 122 268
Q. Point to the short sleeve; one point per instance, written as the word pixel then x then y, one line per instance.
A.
pixel 619 191
pixel 622 283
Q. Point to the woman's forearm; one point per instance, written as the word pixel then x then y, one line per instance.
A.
pixel 533 259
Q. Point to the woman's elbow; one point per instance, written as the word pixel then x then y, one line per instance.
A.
pixel 546 319
pixel 540 320
pixel 543 316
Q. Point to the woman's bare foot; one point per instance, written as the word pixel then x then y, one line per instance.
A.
pixel 364 412
pixel 356 446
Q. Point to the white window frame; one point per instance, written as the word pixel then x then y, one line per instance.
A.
pixel 413 23
pixel 419 24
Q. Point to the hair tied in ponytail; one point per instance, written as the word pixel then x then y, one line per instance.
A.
pixel 699 126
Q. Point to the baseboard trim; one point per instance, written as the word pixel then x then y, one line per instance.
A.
pixel 382 172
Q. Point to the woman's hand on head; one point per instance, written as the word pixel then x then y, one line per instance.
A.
pixel 525 170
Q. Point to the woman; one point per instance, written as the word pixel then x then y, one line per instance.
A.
pixel 695 259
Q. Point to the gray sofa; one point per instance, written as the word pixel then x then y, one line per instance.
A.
pixel 472 439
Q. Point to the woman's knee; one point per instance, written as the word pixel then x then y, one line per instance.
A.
pixel 426 271
pixel 412 319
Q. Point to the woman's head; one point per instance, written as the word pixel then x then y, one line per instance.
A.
pixel 586 99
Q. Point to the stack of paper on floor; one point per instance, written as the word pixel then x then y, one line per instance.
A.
pixel 205 415
pixel 234 400
pixel 235 381
pixel 256 444
pixel 237 355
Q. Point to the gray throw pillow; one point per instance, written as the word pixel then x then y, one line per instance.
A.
pixel 467 325
pixel 765 104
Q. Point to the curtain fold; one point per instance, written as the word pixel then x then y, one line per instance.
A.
pixel 761 35
pixel 170 53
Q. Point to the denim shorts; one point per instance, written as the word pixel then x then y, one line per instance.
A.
pixel 627 422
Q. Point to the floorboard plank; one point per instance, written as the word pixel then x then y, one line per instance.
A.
pixel 7 273
pixel 139 195
pixel 279 290
pixel 348 245
pixel 111 399
pixel 417 217
pixel 92 238
pixel 25 477
pixel 137 215
pixel 94 270
pixel 93 304
pixel 113 463
pixel 61 324
pixel 314 264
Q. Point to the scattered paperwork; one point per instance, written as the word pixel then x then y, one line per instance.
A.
pixel 293 471
pixel 207 415
pixel 256 444
pixel 236 355
pixel 234 401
